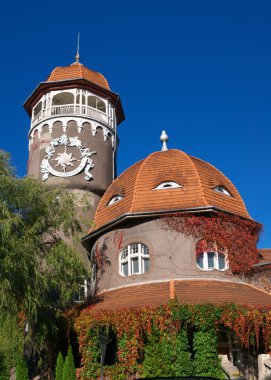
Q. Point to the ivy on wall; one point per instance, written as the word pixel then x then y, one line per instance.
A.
pixel 170 340
pixel 233 234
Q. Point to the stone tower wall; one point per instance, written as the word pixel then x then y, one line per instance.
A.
pixel 86 142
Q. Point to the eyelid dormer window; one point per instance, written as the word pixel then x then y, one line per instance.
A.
pixel 167 185
pixel 222 190
pixel 114 199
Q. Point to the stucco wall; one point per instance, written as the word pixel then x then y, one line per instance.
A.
pixel 172 255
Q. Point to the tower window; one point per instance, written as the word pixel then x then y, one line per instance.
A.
pixel 97 103
pixel 115 199
pixel 222 190
pixel 167 185
pixel 134 259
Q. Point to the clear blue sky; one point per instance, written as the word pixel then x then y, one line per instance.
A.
pixel 201 70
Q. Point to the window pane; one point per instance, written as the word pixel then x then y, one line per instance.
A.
pixel 200 260
pixel 221 261
pixel 135 265
pixel 124 253
pixel 144 249
pixel 134 248
pixel 211 260
pixel 124 269
pixel 145 265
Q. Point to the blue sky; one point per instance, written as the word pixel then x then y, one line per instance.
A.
pixel 198 69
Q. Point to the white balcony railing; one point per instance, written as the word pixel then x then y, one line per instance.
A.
pixel 72 109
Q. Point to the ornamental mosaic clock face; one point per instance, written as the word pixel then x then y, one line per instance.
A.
pixel 66 157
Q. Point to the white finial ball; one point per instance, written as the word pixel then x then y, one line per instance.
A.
pixel 164 137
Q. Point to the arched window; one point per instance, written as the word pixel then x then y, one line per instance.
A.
pixel 209 257
pixel 212 260
pixel 134 259
pixel 97 103
pixel 37 109
pixel 63 98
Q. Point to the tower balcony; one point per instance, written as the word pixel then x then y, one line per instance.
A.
pixel 73 110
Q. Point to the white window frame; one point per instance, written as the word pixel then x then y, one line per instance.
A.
pixel 114 199
pixel 222 190
pixel 167 185
pixel 216 262
pixel 131 252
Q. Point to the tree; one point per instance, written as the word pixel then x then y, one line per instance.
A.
pixel 59 367
pixel 40 269
pixel 69 372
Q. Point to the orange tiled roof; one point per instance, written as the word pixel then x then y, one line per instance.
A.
pixel 78 71
pixel 197 178
pixel 187 291
pixel 265 254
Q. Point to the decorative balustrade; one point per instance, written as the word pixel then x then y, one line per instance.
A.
pixel 72 109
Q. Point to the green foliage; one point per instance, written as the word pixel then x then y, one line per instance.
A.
pixel 4 373
pixel 59 367
pixel 11 339
pixel 167 355
pixel 206 361
pixel 21 371
pixel 183 365
pixel 69 372
pixel 170 340
pixel 158 361
pixel 5 168
pixel 40 269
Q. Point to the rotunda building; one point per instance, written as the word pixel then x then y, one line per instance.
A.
pixel 140 258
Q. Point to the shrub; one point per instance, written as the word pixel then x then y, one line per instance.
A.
pixel 69 372
pixel 206 361
pixel 59 367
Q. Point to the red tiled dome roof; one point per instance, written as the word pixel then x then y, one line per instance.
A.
pixel 197 178
pixel 78 71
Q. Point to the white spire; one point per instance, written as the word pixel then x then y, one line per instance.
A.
pixel 164 139
pixel 78 46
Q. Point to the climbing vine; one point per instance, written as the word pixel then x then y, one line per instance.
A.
pixel 180 335
pixel 233 234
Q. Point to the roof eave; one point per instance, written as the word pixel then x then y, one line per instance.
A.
pixel 147 214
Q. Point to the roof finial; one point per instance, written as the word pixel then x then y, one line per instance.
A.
pixel 77 52
pixel 164 139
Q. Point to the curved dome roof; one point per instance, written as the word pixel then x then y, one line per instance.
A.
pixel 78 71
pixel 196 181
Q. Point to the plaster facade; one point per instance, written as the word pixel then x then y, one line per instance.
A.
pixel 172 255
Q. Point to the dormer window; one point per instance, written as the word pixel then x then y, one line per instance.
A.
pixel 167 185
pixel 115 199
pixel 222 190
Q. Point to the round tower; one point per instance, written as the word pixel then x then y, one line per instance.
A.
pixel 73 132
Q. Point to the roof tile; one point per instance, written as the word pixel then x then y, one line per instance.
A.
pixel 197 178
pixel 186 291
pixel 78 71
